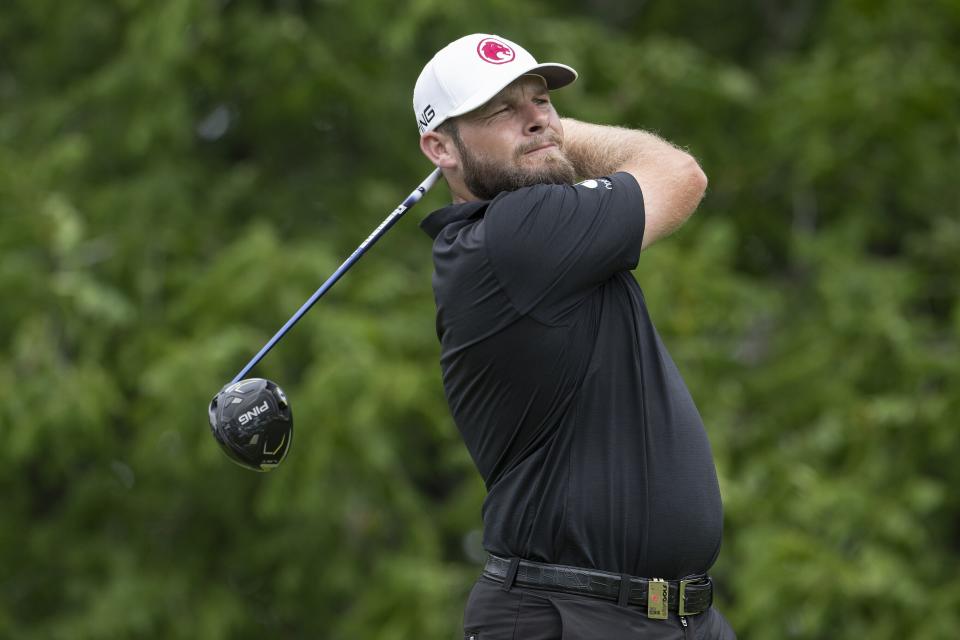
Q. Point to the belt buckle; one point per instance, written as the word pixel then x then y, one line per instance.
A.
pixel 682 599
pixel 658 596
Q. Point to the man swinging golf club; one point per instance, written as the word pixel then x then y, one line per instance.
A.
pixel 603 511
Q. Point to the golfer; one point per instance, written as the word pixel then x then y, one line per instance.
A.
pixel 603 512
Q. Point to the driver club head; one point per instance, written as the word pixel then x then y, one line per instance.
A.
pixel 252 421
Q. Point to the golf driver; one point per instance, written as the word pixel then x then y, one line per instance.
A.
pixel 251 418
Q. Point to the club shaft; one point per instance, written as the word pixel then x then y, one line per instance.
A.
pixel 388 222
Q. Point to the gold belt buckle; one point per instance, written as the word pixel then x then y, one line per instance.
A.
pixel 658 596
pixel 682 604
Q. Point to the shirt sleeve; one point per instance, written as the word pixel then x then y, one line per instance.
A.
pixel 549 245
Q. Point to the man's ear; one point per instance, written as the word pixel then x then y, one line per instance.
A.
pixel 440 150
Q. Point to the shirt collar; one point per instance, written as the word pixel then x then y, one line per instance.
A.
pixel 434 223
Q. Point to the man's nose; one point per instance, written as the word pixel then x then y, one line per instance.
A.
pixel 537 119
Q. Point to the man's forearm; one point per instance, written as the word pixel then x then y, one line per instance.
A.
pixel 597 150
pixel 671 180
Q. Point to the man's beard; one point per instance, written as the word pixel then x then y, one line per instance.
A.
pixel 487 178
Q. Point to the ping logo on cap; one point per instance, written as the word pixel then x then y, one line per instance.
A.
pixel 495 51
pixel 425 117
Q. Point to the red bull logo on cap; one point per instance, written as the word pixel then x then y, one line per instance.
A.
pixel 495 51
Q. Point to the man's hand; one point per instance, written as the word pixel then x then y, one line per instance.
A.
pixel 671 180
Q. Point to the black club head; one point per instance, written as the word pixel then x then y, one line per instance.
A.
pixel 252 421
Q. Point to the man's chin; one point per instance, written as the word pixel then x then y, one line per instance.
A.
pixel 550 169
pixel 548 166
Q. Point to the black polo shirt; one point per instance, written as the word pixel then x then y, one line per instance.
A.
pixel 590 445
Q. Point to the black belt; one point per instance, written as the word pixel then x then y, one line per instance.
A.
pixel 686 597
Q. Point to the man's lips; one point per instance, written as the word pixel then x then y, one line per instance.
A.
pixel 542 147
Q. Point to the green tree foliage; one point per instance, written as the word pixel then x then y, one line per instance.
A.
pixel 177 177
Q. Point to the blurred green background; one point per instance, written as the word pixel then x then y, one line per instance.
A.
pixel 177 176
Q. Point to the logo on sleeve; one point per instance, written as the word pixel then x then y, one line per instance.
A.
pixel 594 183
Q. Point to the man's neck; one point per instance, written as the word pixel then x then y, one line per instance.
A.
pixel 459 192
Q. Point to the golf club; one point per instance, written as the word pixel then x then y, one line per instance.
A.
pixel 251 418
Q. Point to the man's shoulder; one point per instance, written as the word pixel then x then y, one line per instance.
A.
pixel 600 185
pixel 592 194
pixel 528 194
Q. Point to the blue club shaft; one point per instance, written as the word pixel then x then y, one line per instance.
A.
pixel 390 220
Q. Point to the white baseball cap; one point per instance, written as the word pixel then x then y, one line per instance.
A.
pixel 468 72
